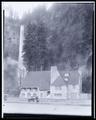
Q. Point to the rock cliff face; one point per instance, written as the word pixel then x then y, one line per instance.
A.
pixel 11 52
pixel 10 77
pixel 11 38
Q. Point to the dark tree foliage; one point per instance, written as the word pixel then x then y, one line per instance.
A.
pixel 73 26
pixel 35 50
pixel 86 84
pixel 66 30
pixel 11 37
pixel 61 36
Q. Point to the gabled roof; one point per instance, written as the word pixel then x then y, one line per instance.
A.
pixel 73 78
pixel 58 82
pixel 39 79
pixel 42 79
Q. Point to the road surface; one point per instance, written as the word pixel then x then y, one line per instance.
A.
pixel 46 109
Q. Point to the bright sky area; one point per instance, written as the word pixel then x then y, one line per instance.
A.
pixel 21 7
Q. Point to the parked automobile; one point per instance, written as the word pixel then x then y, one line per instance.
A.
pixel 33 98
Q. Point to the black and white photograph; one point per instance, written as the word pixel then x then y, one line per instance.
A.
pixel 47 58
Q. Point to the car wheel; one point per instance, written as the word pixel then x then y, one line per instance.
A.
pixel 37 100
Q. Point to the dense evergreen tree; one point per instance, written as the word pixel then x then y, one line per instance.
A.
pixel 68 32
pixel 35 50
pixel 72 25
pixel 61 36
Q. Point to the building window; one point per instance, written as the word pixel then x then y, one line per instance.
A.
pixel 34 94
pixel 35 89
pixel 23 94
pixel 58 94
pixel 74 87
pixel 23 89
pixel 66 79
pixel 73 95
pixel 41 94
pixel 28 89
pixel 48 92
pixel 58 88
pixel 28 94
pixel 66 74
pixel 31 90
pixel 9 39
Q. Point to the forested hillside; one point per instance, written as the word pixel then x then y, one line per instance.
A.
pixel 59 36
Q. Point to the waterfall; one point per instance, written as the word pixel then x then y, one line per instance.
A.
pixel 21 45
pixel 21 68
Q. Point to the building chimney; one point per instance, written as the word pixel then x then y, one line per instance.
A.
pixel 54 73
